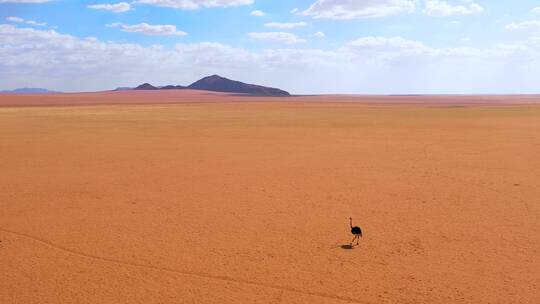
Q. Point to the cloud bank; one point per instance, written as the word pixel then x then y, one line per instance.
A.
pixel 384 65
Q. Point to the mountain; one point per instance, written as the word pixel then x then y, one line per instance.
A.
pixel 217 83
pixel 221 84
pixel 146 86
pixel 29 91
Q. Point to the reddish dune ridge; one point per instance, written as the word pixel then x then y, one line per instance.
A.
pixel 197 197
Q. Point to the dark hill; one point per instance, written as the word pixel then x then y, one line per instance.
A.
pixel 146 86
pixel 220 84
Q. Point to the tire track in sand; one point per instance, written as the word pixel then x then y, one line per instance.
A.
pixel 181 272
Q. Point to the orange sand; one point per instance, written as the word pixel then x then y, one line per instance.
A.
pixel 247 201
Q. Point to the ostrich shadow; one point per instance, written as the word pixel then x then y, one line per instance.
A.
pixel 344 246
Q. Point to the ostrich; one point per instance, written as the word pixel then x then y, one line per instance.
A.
pixel 356 231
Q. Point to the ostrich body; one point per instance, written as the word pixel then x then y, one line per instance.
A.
pixel 356 231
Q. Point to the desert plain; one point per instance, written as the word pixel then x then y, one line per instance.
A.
pixel 191 197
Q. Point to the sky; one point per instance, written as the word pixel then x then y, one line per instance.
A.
pixel 302 46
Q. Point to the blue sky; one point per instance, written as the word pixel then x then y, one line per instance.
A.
pixel 304 46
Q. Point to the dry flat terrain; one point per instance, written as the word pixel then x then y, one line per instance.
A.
pixel 245 200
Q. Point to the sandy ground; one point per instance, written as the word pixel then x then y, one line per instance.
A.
pixel 248 202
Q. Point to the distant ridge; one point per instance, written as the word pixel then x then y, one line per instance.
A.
pixel 123 89
pixel 172 87
pixel 221 84
pixel 217 83
pixel 29 91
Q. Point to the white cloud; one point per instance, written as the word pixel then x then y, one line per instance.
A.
pixel 439 8
pixel 294 10
pixel 115 8
pixel 405 51
pixel 523 25
pixel 281 37
pixel 15 19
pixel 29 22
pixel 257 13
pixel 384 65
pixel 195 4
pixel 319 35
pixel 382 50
pixel 24 1
pixel 150 30
pixel 386 43
pixel 536 10
pixel 285 25
pixel 353 9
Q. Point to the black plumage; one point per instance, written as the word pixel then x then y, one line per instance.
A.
pixel 356 230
